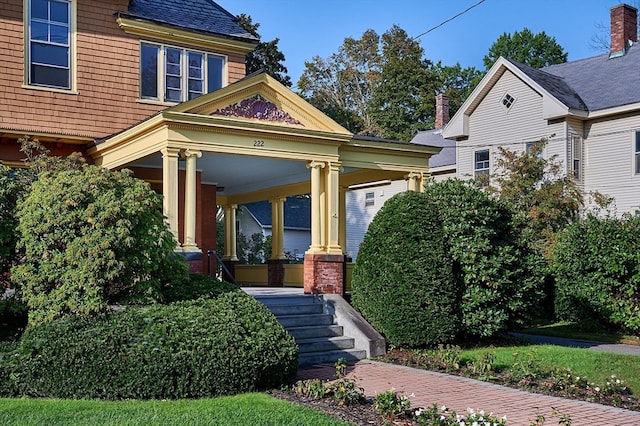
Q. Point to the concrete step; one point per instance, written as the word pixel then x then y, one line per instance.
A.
pixel 315 331
pixel 298 309
pixel 311 358
pixel 305 320
pixel 292 299
pixel 324 344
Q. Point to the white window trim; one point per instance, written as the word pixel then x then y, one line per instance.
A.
pixel 73 64
pixel 571 170
pixel 476 170
pixel 635 153
pixel 369 199
pixel 160 81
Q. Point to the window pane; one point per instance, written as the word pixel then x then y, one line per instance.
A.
pixel 40 9
pixel 214 72
pixel 174 95
pixel 149 71
pixel 48 54
pixel 60 11
pixel 49 76
pixel 39 31
pixel 173 83
pixel 637 141
pixel 59 34
pixel 638 163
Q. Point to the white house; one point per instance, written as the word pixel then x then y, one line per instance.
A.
pixel 588 110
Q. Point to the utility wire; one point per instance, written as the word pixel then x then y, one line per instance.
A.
pixel 449 20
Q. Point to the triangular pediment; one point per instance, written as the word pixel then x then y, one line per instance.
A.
pixel 263 99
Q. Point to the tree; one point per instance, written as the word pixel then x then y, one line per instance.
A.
pixel 403 102
pixel 536 50
pixel 341 85
pixel 266 56
pixel 456 83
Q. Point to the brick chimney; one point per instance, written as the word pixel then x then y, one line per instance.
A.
pixel 624 28
pixel 442 111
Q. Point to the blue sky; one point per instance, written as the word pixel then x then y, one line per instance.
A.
pixel 307 28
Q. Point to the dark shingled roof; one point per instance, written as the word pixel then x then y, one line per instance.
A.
pixel 594 83
pixel 297 212
pixel 447 156
pixel 197 15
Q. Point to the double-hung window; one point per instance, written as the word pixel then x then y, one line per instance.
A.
pixel 575 156
pixel 173 74
pixel 369 199
pixel 636 153
pixel 481 163
pixel 49 43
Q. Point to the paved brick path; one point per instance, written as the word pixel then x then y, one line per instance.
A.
pixel 458 393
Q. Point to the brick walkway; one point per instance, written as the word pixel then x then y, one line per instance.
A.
pixel 458 393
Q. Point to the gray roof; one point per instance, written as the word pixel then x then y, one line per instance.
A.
pixel 594 83
pixel 447 156
pixel 197 15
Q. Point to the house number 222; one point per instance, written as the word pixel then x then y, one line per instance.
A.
pixel 258 143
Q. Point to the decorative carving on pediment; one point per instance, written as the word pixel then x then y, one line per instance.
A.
pixel 259 108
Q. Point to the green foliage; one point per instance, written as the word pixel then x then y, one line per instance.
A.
pixel 92 237
pixel 253 250
pixel 434 416
pixel 596 263
pixel 403 282
pixel 499 276
pixel 390 405
pixel 404 99
pixel 536 50
pixel 190 349
pixel 343 390
pixel 266 56
pixel 11 190
pixel 195 287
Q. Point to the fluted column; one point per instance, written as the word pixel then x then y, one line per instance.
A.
pixel 316 214
pixel 415 181
pixel 342 213
pixel 332 218
pixel 189 243
pixel 230 232
pixel 170 188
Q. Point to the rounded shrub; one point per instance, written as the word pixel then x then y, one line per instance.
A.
pixel 499 278
pixel 91 238
pixel 402 280
pixel 190 349
pixel 596 263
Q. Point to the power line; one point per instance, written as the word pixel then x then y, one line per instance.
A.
pixel 449 20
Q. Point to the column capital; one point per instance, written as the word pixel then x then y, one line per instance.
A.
pixel 188 153
pixel 316 164
pixel 169 151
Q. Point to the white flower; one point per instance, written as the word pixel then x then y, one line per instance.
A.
pixel 443 408
pixel 597 388
pixel 413 395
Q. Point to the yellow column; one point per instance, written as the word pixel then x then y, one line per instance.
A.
pixel 333 208
pixel 189 243
pixel 277 227
pixel 415 181
pixel 316 189
pixel 170 187
pixel 230 232
pixel 342 222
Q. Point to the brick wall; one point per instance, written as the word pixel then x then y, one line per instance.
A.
pixel 107 77
pixel 323 274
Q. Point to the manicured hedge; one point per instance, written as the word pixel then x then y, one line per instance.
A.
pixel 190 349
pixel 596 263
pixel 402 281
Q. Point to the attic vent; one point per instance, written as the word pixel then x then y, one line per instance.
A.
pixel 508 100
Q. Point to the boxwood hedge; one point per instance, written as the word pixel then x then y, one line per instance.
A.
pixel 189 349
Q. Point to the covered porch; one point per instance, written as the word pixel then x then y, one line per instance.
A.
pixel 251 141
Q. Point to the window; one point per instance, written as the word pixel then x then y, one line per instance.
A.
pixel 636 153
pixel 574 156
pixel 172 74
pixel 369 199
pixel 49 45
pixel 481 164
pixel 508 100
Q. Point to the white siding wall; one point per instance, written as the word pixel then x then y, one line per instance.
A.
pixel 360 216
pixel 609 168
pixel 492 125
pixel 295 239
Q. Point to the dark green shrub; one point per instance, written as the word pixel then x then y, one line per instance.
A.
pixel 92 237
pixel 596 263
pixel 499 277
pixel 196 286
pixel 11 190
pixel 402 281
pixel 190 349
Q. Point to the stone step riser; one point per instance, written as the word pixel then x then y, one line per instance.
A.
pixel 287 310
pixel 324 344
pixel 305 320
pixel 311 332
pixel 330 357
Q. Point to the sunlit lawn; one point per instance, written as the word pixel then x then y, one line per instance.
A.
pixel 567 329
pixel 247 409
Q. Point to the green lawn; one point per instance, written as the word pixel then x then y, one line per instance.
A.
pixel 567 329
pixel 596 366
pixel 246 409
